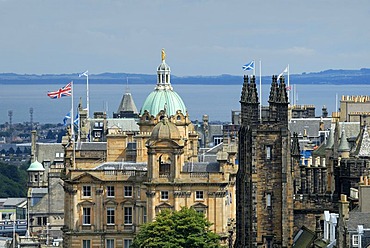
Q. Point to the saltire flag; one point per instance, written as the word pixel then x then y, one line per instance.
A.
pixel 281 74
pixel 65 91
pixel 249 66
pixel 76 120
pixel 84 74
pixel 68 116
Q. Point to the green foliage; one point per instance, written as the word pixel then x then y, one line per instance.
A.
pixel 179 229
pixel 13 181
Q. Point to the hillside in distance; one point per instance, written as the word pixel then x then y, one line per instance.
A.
pixel 361 76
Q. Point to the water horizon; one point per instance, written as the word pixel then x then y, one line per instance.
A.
pixel 216 101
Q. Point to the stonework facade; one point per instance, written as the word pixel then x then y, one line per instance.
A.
pixel 113 187
pixel 264 179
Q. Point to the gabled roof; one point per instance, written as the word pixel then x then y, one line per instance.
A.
pixel 363 147
pixel 86 176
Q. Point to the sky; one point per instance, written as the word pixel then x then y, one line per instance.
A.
pixel 200 37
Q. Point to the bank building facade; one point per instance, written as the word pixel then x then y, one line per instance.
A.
pixel 115 185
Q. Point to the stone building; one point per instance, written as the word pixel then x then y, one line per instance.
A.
pixel 112 187
pixel 45 195
pixel 264 178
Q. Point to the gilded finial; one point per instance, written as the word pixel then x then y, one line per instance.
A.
pixel 163 54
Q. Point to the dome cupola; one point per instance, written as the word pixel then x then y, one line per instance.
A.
pixel 163 95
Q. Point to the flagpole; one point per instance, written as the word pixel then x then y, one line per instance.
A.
pixel 87 94
pixel 73 129
pixel 254 70
pixel 260 91
pixel 288 86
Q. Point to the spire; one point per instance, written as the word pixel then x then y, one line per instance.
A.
pixel 274 90
pixel 244 95
pixel 252 93
pixel 330 140
pixel 343 145
pixel 295 146
pixel 283 96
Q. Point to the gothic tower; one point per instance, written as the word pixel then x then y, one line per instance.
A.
pixel 264 180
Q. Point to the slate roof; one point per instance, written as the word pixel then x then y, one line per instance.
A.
pixel 126 124
pixel 358 218
pixel 47 151
pixel 312 125
pixel 92 146
pixel 127 104
pixel 141 166
pixel 14 202
pixel 201 167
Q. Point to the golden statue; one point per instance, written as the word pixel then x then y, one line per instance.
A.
pixel 163 54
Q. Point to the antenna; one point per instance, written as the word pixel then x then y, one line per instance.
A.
pixel 31 118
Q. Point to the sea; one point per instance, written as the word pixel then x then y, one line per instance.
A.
pixel 216 101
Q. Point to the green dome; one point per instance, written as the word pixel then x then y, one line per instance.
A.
pixel 160 99
pixel 36 166
pixel 163 97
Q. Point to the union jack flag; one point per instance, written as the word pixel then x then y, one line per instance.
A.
pixel 65 91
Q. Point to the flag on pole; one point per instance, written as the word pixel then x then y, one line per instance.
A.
pixel 66 118
pixel 281 74
pixel 84 74
pixel 65 91
pixel 249 66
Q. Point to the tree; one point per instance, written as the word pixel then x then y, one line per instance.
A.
pixel 181 229
pixel 50 135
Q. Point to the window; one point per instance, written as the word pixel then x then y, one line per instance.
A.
pixel 128 215
pixel 144 215
pixel 164 195
pixel 86 243
pixel 268 200
pixel 200 211
pixel 355 240
pixel 128 191
pixel 42 221
pixel 110 243
pixel 110 216
pixel 268 152
pixel 110 191
pixel 86 191
pixel 164 170
pixel 199 195
pixel 97 134
pixel 127 243
pixel 86 216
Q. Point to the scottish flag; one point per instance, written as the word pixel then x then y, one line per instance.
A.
pixel 66 118
pixel 249 66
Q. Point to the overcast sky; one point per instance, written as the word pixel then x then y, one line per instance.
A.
pixel 201 37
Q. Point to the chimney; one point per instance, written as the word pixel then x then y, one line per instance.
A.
pixel 343 207
pixel 364 195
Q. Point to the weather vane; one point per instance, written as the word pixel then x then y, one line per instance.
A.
pixel 163 54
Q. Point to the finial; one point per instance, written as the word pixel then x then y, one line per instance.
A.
pixel 163 54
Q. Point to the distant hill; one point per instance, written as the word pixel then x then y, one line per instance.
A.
pixel 361 76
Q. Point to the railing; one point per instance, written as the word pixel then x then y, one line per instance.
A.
pixel 8 226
